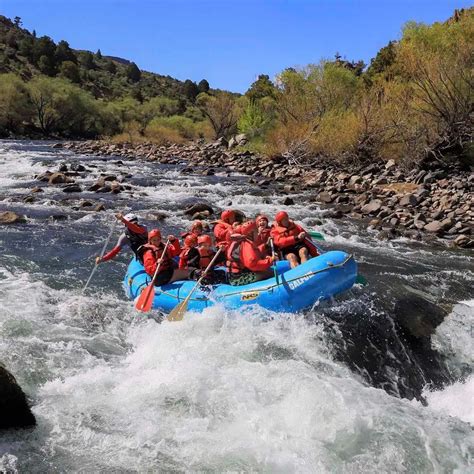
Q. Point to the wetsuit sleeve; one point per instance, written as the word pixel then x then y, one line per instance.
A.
pixel 252 261
pixel 281 241
pixel 149 262
pixel 113 253
pixel 137 228
pixel 122 241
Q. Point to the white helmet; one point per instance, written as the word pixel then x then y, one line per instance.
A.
pixel 131 217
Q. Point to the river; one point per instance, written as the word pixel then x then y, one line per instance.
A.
pixel 343 388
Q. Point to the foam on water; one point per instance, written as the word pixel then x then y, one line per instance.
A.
pixel 221 391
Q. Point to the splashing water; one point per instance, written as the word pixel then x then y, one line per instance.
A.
pixel 113 390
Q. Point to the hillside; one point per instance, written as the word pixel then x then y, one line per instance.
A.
pixel 106 77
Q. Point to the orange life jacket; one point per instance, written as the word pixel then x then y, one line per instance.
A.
pixel 206 256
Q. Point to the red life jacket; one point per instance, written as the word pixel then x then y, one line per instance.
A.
pixel 186 258
pixel 234 264
pixel 244 255
pixel 152 256
pixel 206 257
pixel 286 237
pixel 222 231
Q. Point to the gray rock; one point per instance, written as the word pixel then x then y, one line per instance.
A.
pixel 372 207
pixel 59 178
pixel 464 241
pixel 199 207
pixel 409 200
pixel 390 164
pixel 72 188
pixel 14 409
pixel 288 201
pixel 434 227
pixel 9 217
pixel 326 197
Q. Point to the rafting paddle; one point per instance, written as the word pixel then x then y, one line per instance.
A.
pixel 274 261
pixel 101 255
pixel 145 300
pixel 178 312
pixel 315 235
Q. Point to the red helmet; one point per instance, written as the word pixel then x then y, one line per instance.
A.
pixel 280 216
pixel 197 224
pixel 190 240
pixel 205 239
pixel 154 233
pixel 246 228
pixel 227 215
pixel 260 218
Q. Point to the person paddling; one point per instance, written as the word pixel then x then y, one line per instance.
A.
pixel 189 256
pixel 292 240
pixel 224 226
pixel 153 251
pixel 245 262
pixel 134 236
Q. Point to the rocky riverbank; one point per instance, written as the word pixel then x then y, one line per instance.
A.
pixel 435 203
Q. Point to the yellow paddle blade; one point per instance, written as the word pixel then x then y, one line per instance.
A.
pixel 178 312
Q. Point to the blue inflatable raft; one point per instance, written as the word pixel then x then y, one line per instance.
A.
pixel 292 291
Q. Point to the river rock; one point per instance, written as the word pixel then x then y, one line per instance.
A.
pixel 78 167
pixel 326 197
pixel 418 316
pixel 156 216
pixel 288 201
pixel 72 188
pixel 57 145
pixel 198 207
pixel 372 207
pixel 14 409
pixel 435 227
pixel 390 164
pixel 98 207
pixel 198 216
pixel 9 217
pixel 36 189
pixel 28 199
pixel 464 241
pixel 409 200
pixel 58 178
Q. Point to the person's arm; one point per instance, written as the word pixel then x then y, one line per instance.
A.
pixel 183 261
pixel 252 260
pixel 137 228
pixel 149 262
pixel 122 241
pixel 174 248
pixel 281 241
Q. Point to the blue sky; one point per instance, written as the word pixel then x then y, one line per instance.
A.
pixel 227 42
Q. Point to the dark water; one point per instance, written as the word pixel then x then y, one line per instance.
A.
pixel 345 388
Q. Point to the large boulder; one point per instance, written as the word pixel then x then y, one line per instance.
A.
pixel 58 178
pixel 372 207
pixel 435 227
pixel 198 207
pixel 14 409
pixel 9 217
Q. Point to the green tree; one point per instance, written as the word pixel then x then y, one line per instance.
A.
pixel 15 107
pixel 98 55
pixel 26 46
pixel 190 89
pixel 261 88
pixel 86 58
pixel 254 120
pixel 110 67
pixel 70 71
pixel 133 73
pixel 203 86
pixel 64 53
pixel 44 46
pixel 221 111
pixel 384 59
pixel 47 66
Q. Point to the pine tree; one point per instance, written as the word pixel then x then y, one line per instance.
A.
pixel 203 86
pixel 133 73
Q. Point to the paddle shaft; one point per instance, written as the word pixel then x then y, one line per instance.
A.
pixel 101 255
pixel 163 255
pixel 272 245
